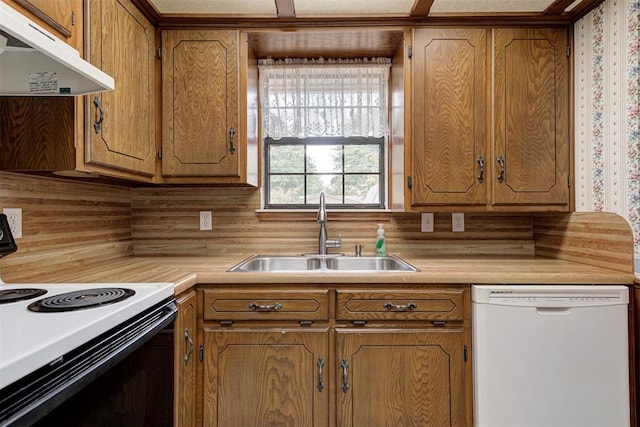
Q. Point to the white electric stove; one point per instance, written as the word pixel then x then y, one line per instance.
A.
pixel 31 339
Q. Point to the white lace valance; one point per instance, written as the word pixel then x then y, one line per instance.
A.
pixel 302 98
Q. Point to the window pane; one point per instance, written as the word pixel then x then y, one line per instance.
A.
pixel 286 189
pixel 361 158
pixel 330 184
pixel 286 158
pixel 362 189
pixel 324 158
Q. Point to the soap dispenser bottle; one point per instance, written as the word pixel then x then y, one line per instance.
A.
pixel 381 247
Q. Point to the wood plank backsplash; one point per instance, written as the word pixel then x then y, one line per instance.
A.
pixel 165 221
pixel 71 223
pixel 66 222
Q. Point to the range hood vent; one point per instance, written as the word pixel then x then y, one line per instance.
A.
pixel 33 62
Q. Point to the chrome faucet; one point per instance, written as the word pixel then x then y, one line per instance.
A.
pixel 323 241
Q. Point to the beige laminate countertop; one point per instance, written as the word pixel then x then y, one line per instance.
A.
pixel 185 272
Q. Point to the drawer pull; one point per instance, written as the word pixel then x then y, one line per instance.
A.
pixel 256 307
pixel 397 307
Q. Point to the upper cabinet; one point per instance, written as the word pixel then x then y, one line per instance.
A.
pixel 531 118
pixel 121 128
pixel 209 107
pixel 490 123
pixel 450 117
pixel 63 18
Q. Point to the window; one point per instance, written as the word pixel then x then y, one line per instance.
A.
pixel 325 126
pixel 348 170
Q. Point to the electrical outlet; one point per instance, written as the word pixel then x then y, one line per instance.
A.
pixel 426 224
pixel 206 220
pixel 14 217
pixel 457 222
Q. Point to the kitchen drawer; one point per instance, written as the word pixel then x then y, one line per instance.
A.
pixel 258 304
pixel 400 305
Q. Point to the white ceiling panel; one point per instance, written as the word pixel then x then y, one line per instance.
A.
pixel 313 8
pixel 257 8
pixel 489 6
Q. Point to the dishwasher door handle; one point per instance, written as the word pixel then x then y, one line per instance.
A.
pixel 554 311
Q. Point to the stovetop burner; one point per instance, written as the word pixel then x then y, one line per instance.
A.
pixel 13 295
pixel 79 300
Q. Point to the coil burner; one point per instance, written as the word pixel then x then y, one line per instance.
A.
pixel 13 295
pixel 80 300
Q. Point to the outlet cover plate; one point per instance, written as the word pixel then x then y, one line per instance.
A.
pixel 206 221
pixel 457 222
pixel 14 218
pixel 426 223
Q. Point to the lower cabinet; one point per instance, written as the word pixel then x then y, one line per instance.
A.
pixel 345 357
pixel 270 377
pixel 403 377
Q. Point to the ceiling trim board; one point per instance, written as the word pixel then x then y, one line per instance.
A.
pixel 148 10
pixel 285 8
pixel 583 8
pixel 421 8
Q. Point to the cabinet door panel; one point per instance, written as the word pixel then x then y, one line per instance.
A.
pixel 449 116
pixel 122 45
pixel 400 377
pixel 200 98
pixel 267 377
pixel 531 119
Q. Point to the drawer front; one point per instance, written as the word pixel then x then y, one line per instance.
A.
pixel 256 304
pixel 400 305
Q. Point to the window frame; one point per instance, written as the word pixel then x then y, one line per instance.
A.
pixel 327 140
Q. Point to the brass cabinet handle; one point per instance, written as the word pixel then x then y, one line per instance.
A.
pixel 232 133
pixel 501 174
pixel 98 124
pixel 187 336
pixel 320 364
pixel 390 306
pixel 481 164
pixel 345 376
pixel 256 307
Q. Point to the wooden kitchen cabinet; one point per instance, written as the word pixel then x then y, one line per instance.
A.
pixel 449 145
pixel 116 135
pixel 121 132
pixel 63 18
pixel 333 356
pixel 531 118
pixel 406 363
pixel 185 360
pixel 483 145
pixel 271 368
pixel 209 107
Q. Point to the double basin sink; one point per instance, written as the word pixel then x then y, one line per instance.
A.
pixel 322 263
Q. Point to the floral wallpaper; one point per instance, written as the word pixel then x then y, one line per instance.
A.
pixel 607 121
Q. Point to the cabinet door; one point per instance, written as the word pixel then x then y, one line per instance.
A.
pixel 450 117
pixel 531 93
pixel 60 16
pixel 185 362
pixel 121 133
pixel 200 103
pixel 265 377
pixel 400 377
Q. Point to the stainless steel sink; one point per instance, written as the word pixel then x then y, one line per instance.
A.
pixel 321 263
pixel 259 263
pixel 369 263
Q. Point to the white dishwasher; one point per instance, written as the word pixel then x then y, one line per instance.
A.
pixel 553 356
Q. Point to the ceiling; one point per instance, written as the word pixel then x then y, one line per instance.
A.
pixel 344 9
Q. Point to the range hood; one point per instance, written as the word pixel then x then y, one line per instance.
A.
pixel 33 62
